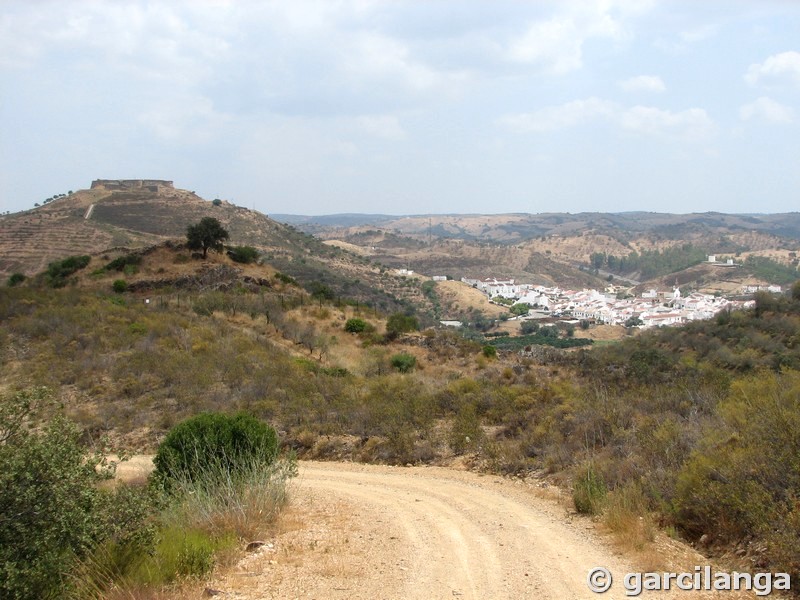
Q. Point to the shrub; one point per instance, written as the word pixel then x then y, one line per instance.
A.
pixel 489 351
pixel 355 326
pixel 216 202
pixel 119 263
pixel 58 271
pixel 119 286
pixel 321 291
pixel 399 323
pixel 240 504
pixel 466 433
pixel 404 362
pixel 213 441
pixel 520 309
pixel 59 513
pixel 15 279
pixel 627 515
pixel 589 492
pixel 742 480
pixel 243 254
pixel 284 278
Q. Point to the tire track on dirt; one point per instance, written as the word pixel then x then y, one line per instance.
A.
pixel 467 538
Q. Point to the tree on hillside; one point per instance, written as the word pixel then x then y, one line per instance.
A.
pixel 208 233
pixel 796 291
pixel 399 323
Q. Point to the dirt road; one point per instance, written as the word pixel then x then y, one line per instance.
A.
pixel 366 532
pixel 358 531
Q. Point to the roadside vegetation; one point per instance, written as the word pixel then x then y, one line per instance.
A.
pixel 64 534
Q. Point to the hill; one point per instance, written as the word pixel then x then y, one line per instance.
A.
pixel 120 215
pixel 517 227
pixel 646 249
pixel 90 221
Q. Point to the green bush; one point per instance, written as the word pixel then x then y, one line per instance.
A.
pixel 243 254
pixel 15 279
pixel 119 263
pixel 743 479
pixel 284 278
pixel 321 291
pixel 404 362
pixel 120 286
pixel 355 326
pixel 520 309
pixel 466 433
pixel 58 271
pixel 53 512
pixel 213 442
pixel 489 351
pixel 399 323
pixel 589 492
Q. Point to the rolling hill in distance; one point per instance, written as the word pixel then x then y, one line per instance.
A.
pixel 514 227
pixel 563 248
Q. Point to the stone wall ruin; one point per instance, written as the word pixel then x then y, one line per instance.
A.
pixel 150 185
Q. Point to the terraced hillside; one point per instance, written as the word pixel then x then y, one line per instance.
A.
pixel 32 239
pixel 89 221
pixel 95 220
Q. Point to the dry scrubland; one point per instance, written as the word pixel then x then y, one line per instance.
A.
pixel 693 430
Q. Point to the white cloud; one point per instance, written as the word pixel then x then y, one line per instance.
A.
pixel 777 69
pixel 643 83
pixel 165 42
pixel 383 126
pixel 685 40
pixel 556 44
pixel 378 56
pixel 559 117
pixel 692 124
pixel 767 109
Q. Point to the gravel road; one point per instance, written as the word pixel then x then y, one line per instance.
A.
pixel 366 532
pixel 423 533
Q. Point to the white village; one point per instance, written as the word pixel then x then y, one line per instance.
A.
pixel 612 306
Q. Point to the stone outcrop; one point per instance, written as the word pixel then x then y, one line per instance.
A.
pixel 150 185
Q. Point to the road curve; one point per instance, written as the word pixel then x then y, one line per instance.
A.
pixel 461 534
pixel 368 532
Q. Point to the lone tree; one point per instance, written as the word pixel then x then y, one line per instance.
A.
pixel 208 233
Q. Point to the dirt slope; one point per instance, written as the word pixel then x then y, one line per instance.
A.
pixel 372 532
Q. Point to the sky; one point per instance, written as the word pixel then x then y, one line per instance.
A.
pixel 408 107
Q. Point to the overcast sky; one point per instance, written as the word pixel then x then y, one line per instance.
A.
pixel 408 107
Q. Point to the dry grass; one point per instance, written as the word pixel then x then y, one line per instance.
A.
pixel 360 250
pixel 460 297
pixel 602 333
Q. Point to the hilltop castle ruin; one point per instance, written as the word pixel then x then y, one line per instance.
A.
pixel 150 185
